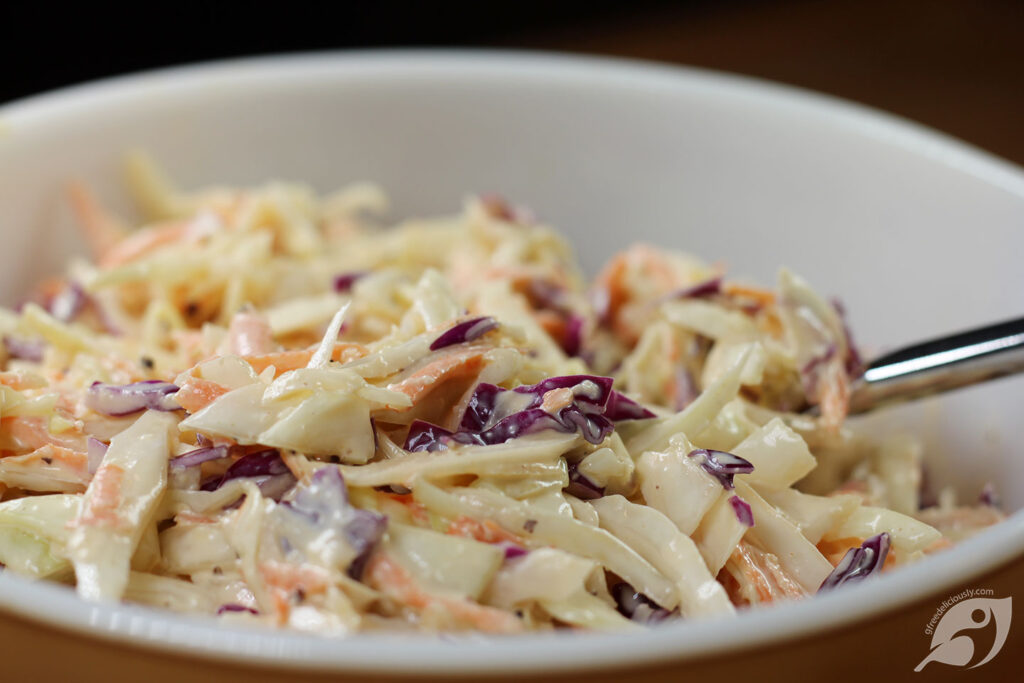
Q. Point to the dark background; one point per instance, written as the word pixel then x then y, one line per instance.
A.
pixel 956 65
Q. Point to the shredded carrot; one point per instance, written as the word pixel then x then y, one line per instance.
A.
pixel 22 380
pixel 394 581
pixel 308 578
pixel 196 393
pixel 416 510
pixel 938 545
pixel 285 581
pixel 551 322
pixel 72 459
pixel 760 571
pixel 835 396
pixel 250 334
pixel 763 297
pixel 463 363
pixel 185 516
pixel 556 399
pixel 29 433
pixel 283 361
pixel 485 531
pixel 142 242
pixel 282 606
pixel 609 282
pixel 100 230
pixel 105 498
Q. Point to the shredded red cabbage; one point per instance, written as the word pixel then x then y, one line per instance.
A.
pixel 266 467
pixel 466 331
pixel 118 400
pixel 621 407
pixel 721 465
pixel 486 423
pixel 235 608
pixel 989 497
pixel 581 486
pixel 68 302
pixel 95 449
pixel 637 606
pixel 24 349
pixel 512 550
pixel 854 359
pixel 199 456
pixel 810 373
pixel 498 207
pixel 572 340
pixel 324 503
pixel 686 389
pixel 701 289
pixel 859 563
pixel 742 510
pixel 343 281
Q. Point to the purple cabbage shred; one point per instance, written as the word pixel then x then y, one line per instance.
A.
pixel 465 331
pixel 512 550
pixel 859 563
pixel 324 504
pixel 637 606
pixel 235 608
pixel 854 359
pixel 581 486
pixel 265 467
pixel 742 510
pixel 95 450
pixel 721 465
pixel 68 303
pixel 572 341
pixel 24 349
pixel 199 456
pixel 621 407
pixel 343 281
pixel 708 287
pixel 989 497
pixel 119 400
pixel 492 417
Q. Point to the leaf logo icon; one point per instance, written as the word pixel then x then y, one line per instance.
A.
pixel 950 645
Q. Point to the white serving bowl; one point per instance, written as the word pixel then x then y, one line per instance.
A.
pixel 918 233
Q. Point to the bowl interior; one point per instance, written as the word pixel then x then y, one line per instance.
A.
pixel 918 234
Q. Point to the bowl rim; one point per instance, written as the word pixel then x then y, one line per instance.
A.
pixel 58 606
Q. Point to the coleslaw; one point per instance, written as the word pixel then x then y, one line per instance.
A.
pixel 275 408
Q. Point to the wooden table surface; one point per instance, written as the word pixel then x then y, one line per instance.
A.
pixel 955 65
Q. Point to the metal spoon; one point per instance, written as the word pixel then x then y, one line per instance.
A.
pixel 940 365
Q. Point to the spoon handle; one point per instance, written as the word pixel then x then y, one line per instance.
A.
pixel 940 365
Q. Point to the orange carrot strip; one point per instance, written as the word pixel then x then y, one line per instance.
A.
pixel 393 580
pixel 416 510
pixel 485 531
pixel 466 363
pixel 197 393
pixel 100 230
pixel 250 334
pixel 764 297
pixel 284 361
pixel 106 496
pixel 142 242
pixel 21 380
pixel 29 433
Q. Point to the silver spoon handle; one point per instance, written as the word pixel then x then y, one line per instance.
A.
pixel 941 365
